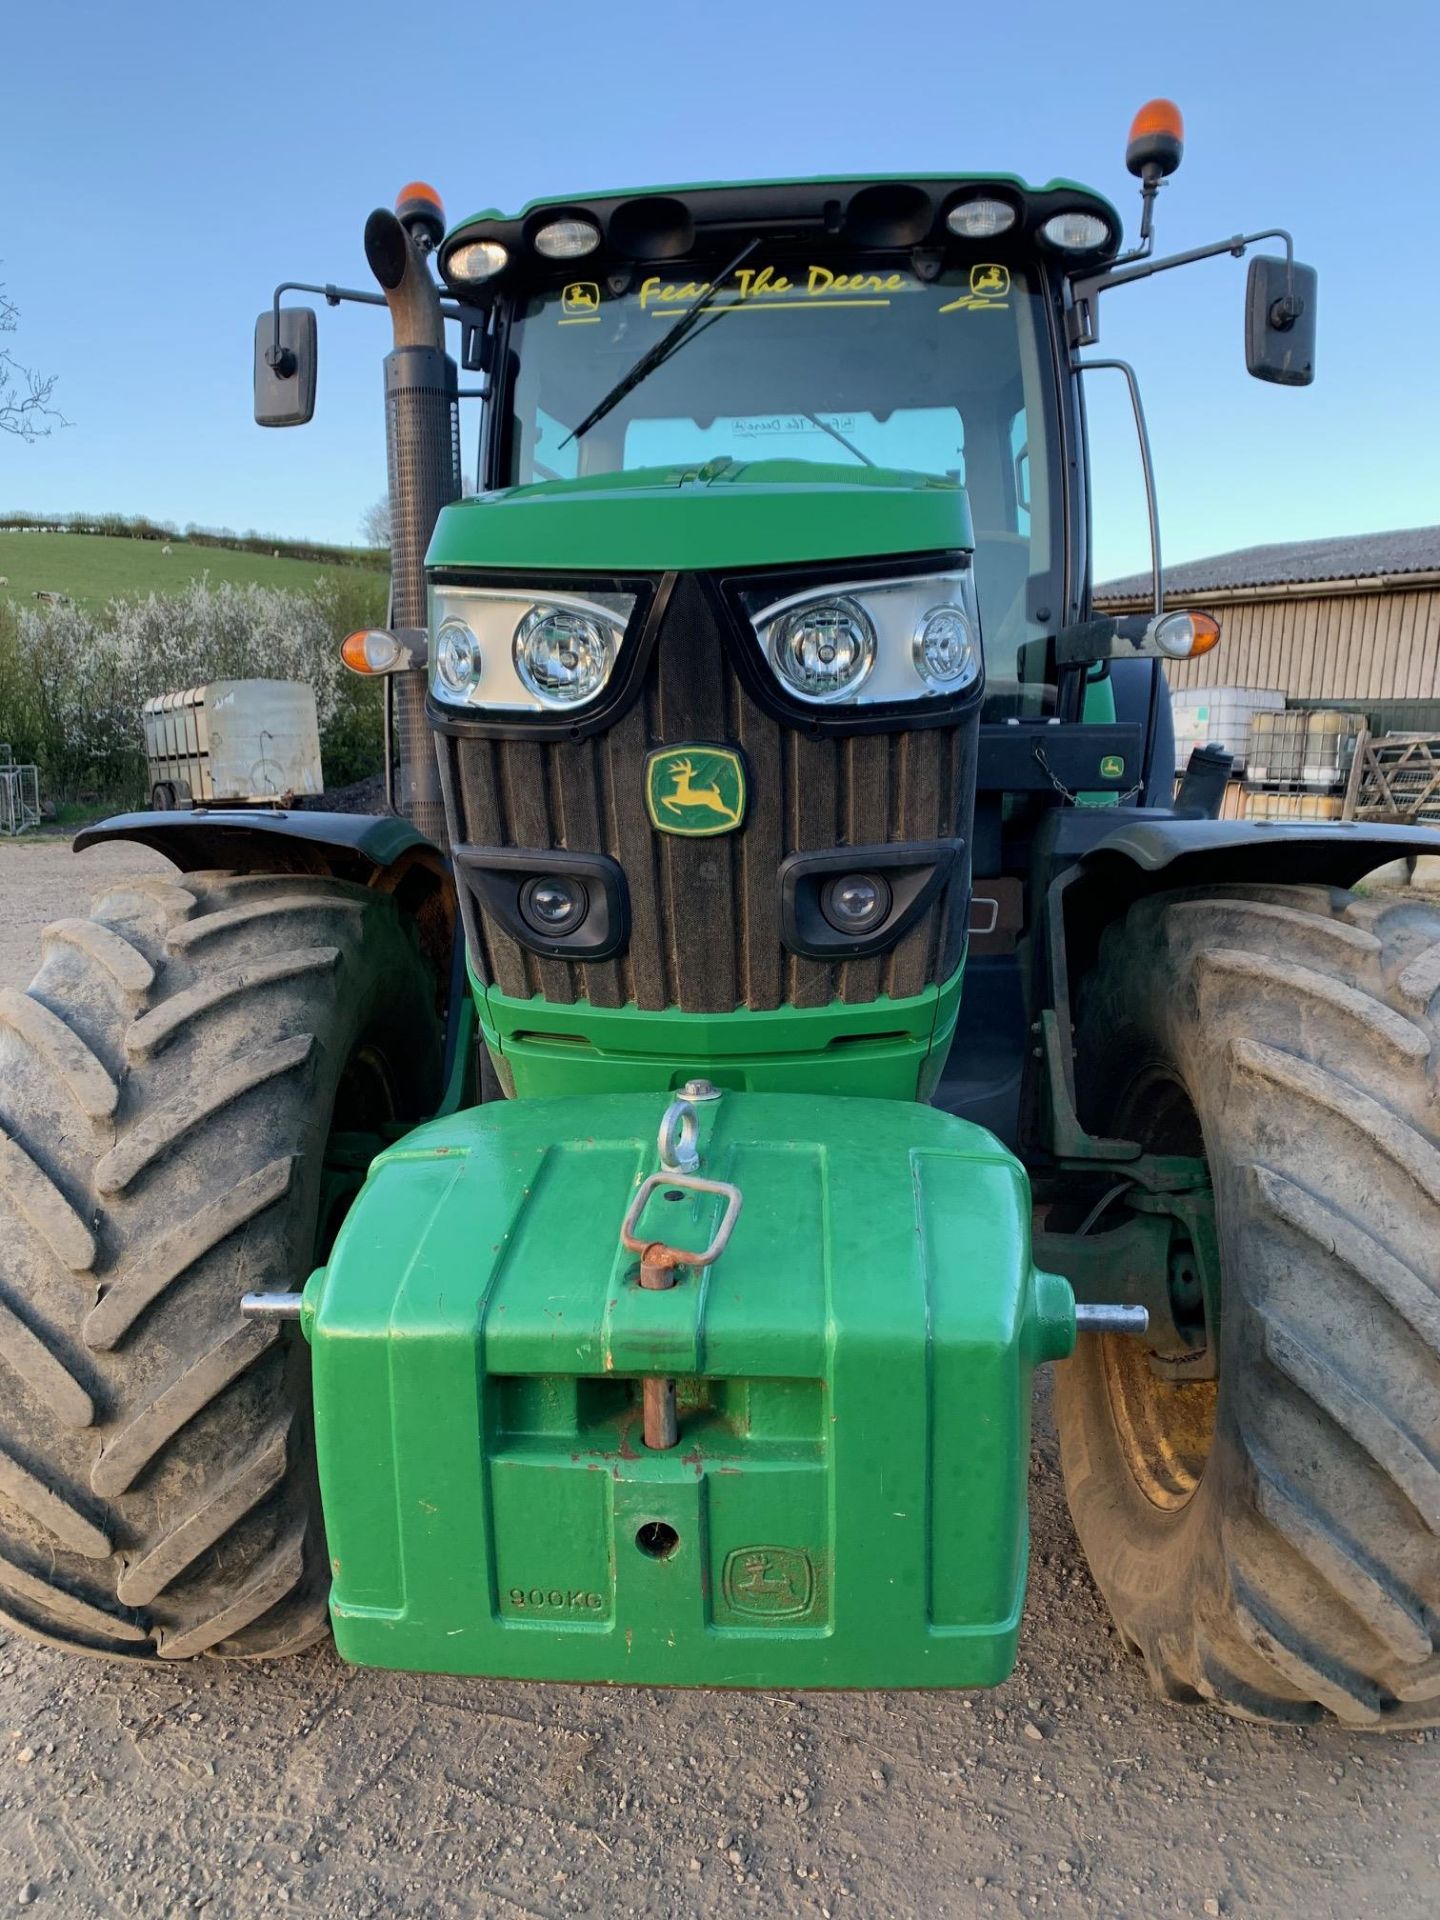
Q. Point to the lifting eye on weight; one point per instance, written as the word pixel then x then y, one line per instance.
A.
pixel 678 1142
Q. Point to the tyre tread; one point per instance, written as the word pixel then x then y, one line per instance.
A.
pixel 184 1519
pixel 1305 1026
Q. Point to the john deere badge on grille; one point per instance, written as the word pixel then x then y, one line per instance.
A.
pixel 695 791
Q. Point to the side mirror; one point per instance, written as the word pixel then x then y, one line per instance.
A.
pixel 285 367
pixel 1280 321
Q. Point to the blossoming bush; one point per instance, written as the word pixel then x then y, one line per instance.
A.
pixel 74 679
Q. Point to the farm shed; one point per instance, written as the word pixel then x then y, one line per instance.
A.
pixel 1351 622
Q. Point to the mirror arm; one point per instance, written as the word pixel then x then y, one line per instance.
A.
pixel 282 361
pixel 1116 636
pixel 1085 293
pixel 279 359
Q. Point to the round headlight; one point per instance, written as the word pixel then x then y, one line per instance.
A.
pixel 554 904
pixel 825 650
pixel 1076 232
pixel 477 260
pixel 856 903
pixel 980 219
pixel 945 650
pixel 457 658
pixel 567 239
pixel 562 655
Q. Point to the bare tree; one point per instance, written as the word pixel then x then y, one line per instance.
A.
pixel 25 395
pixel 375 524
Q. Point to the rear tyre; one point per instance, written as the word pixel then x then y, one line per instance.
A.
pixel 168 1086
pixel 1272 1544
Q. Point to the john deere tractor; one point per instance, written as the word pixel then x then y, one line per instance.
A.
pixel 787 1003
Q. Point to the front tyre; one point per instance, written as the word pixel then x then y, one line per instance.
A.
pixel 1271 1543
pixel 179 1086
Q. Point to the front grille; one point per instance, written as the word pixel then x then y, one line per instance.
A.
pixel 705 914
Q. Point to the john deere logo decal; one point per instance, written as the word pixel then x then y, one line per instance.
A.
pixel 989 288
pixel 695 791
pixel 768 1581
pixel 1112 767
pixel 581 300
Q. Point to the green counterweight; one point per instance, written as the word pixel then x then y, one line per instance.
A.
pixel 846 1502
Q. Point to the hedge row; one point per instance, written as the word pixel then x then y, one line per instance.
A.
pixel 121 526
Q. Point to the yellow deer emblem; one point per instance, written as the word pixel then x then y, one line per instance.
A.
pixel 695 790
pixel 686 794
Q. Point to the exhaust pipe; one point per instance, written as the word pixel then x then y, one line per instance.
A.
pixel 422 448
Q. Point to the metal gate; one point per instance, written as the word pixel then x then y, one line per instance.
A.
pixel 19 794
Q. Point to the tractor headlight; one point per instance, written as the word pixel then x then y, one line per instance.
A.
pixel 475 262
pixel 457 659
pixel 564 656
pixel 856 903
pixel 1077 232
pixel 981 218
pixel 507 652
pixel 554 904
pixel 567 239
pixel 947 650
pixel 824 650
pixel 872 642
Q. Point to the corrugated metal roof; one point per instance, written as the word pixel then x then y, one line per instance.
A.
pixel 1356 556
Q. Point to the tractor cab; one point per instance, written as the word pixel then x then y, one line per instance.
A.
pixel 832 335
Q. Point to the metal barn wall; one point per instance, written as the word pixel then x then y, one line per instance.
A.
pixel 1329 642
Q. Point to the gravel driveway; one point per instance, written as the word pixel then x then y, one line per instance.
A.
pixel 313 1789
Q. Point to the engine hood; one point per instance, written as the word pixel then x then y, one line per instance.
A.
pixel 726 513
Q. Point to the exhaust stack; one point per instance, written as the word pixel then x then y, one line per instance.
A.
pixel 422 447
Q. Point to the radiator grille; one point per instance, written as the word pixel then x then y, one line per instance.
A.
pixel 705 913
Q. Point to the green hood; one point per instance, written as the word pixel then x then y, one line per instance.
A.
pixel 726 514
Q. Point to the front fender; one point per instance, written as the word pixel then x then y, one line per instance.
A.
pixel 352 846
pixel 369 849
pixel 1186 853
pixel 1091 866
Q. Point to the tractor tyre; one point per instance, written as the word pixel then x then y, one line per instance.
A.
pixel 1270 1541
pixel 169 1084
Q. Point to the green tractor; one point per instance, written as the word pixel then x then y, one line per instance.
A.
pixel 646 1246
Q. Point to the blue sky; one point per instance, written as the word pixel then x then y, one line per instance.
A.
pixel 164 165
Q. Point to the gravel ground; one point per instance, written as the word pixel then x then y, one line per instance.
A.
pixel 313 1789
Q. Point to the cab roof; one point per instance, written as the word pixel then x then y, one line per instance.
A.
pixel 891 211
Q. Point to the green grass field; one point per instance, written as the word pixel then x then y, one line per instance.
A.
pixel 93 568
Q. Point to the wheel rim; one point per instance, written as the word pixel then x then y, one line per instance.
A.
pixel 1165 1428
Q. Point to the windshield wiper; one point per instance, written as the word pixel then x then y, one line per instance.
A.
pixel 835 434
pixel 655 356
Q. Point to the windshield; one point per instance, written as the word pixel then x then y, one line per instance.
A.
pixel 833 359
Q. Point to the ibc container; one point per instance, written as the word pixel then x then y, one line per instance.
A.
pixel 1222 714
pixel 1308 746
